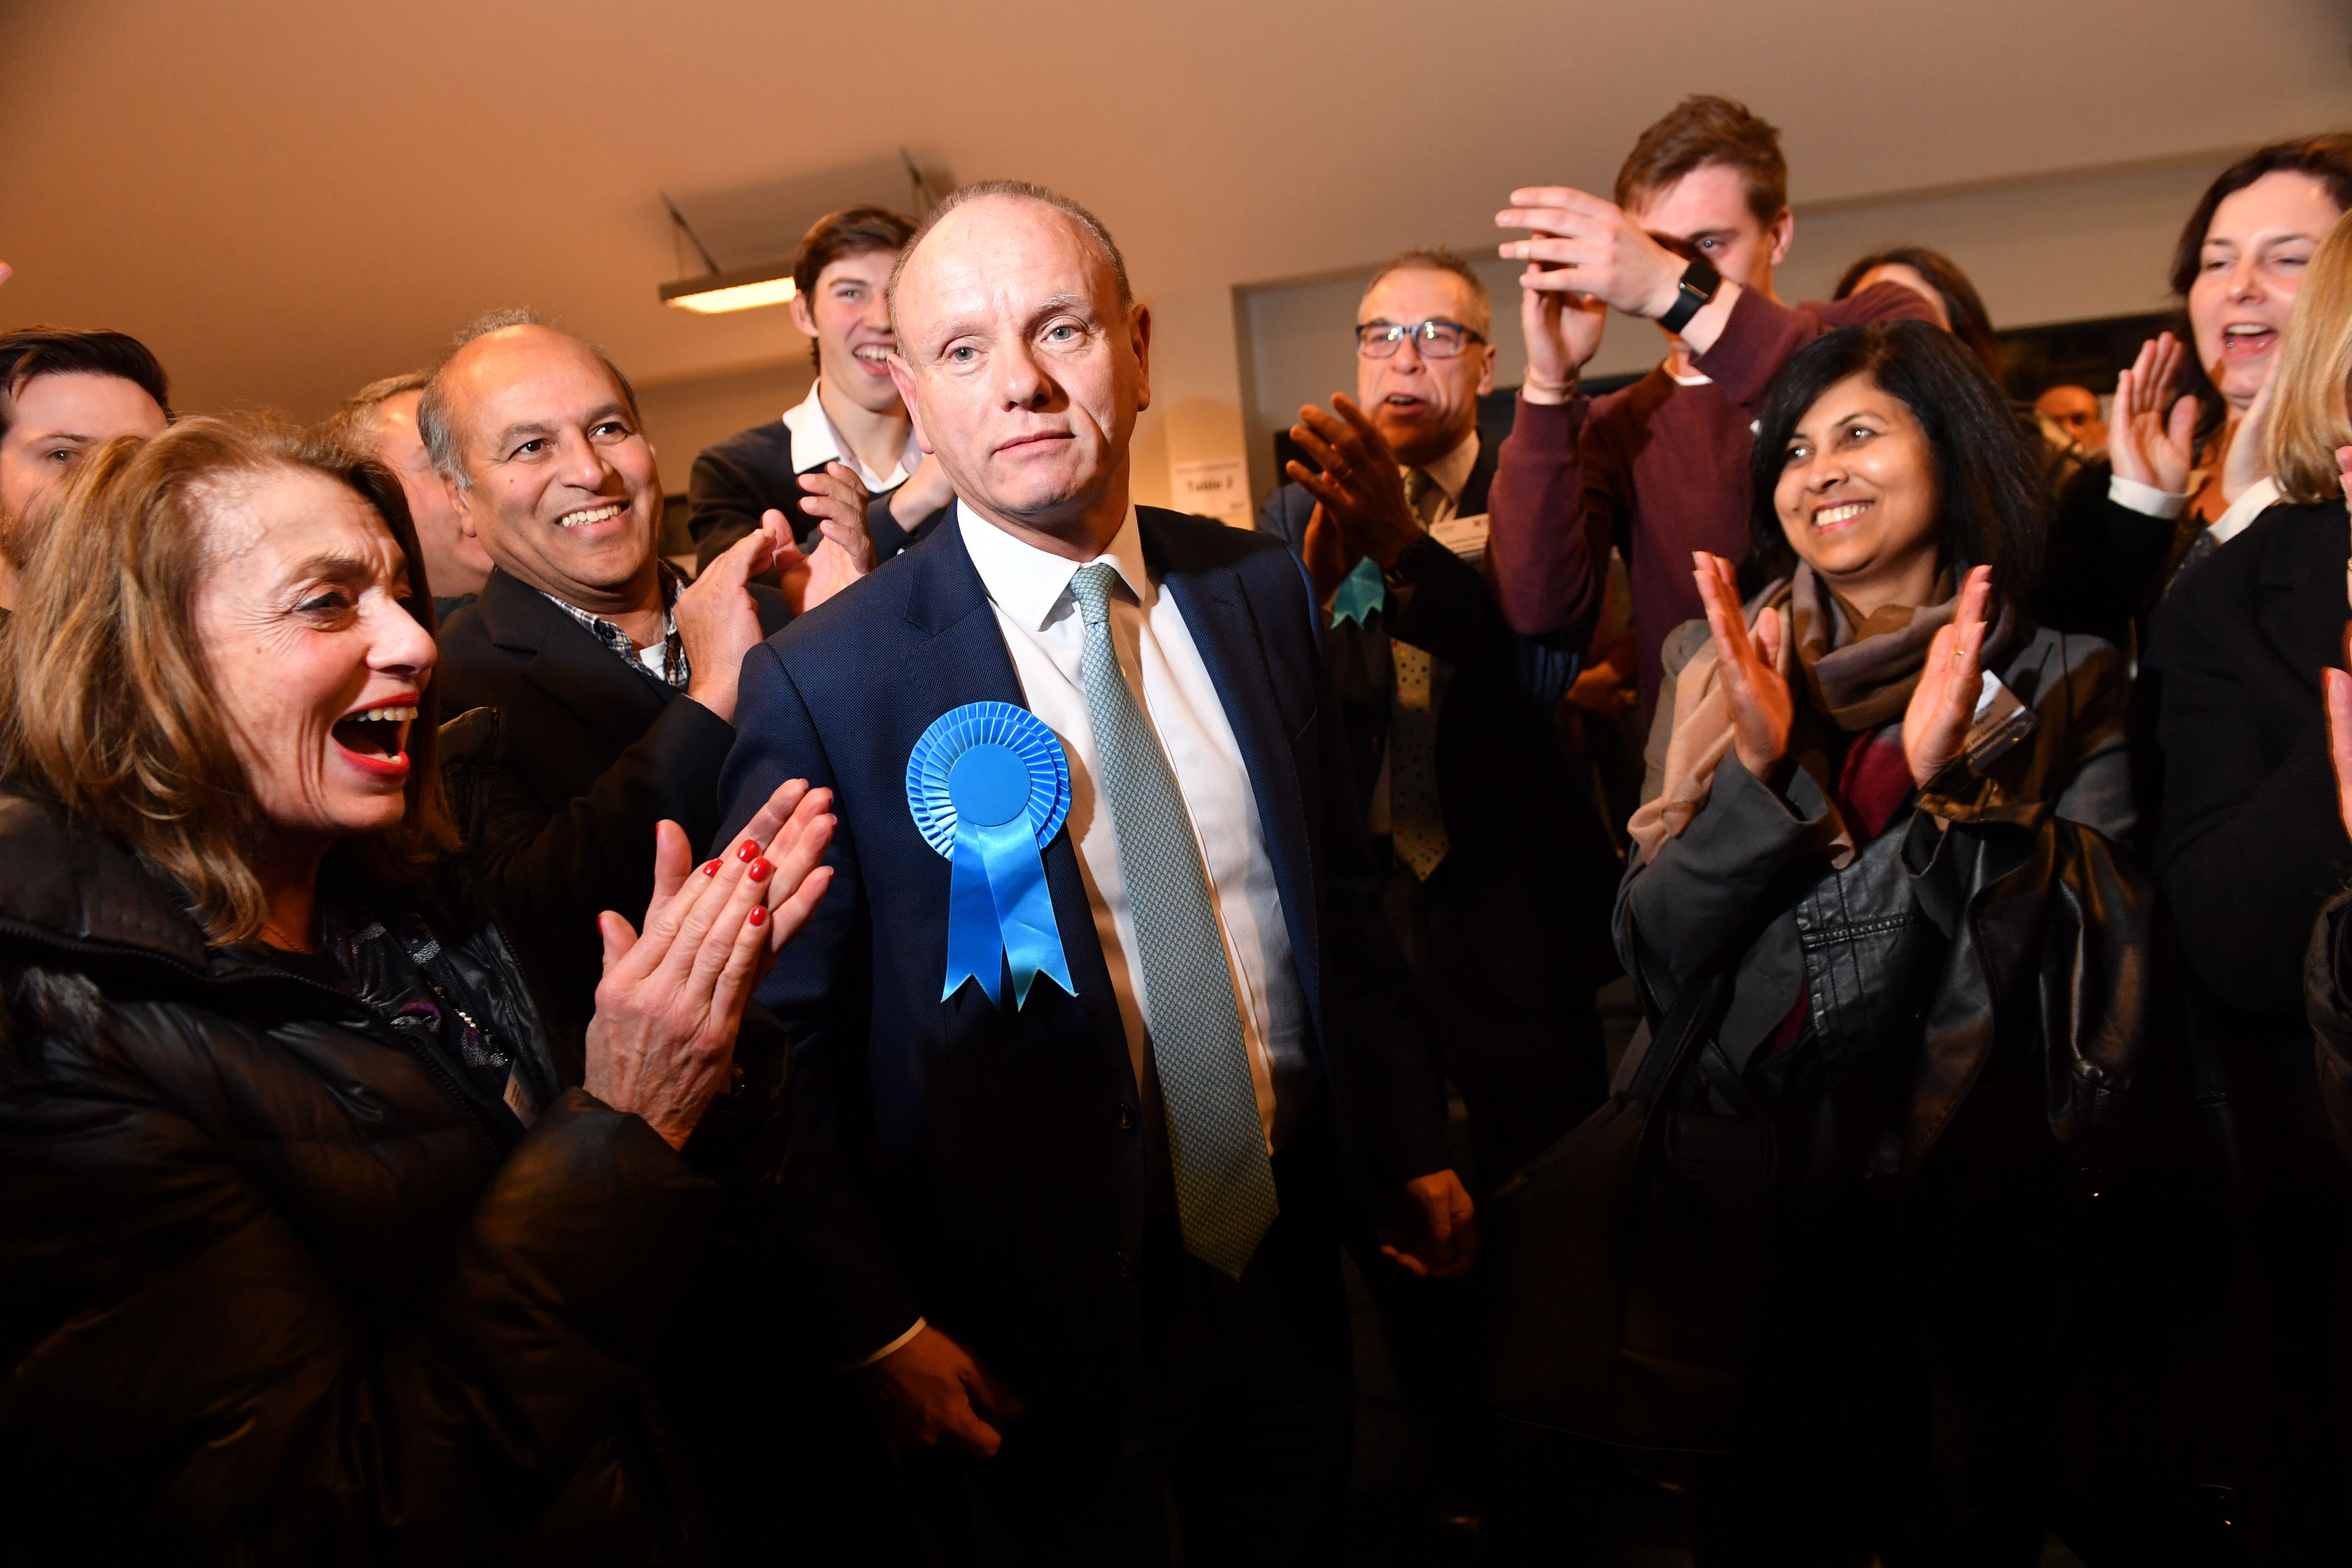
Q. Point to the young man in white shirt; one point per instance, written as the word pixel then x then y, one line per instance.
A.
pixel 852 415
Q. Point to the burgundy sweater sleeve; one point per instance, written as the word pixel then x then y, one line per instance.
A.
pixel 1763 335
pixel 1549 576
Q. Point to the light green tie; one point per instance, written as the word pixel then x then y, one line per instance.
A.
pixel 1216 1144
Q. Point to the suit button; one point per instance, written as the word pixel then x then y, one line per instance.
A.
pixel 1122 1265
pixel 1126 1119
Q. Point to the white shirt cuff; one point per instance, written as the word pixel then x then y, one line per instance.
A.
pixel 891 1348
pixel 2257 498
pixel 2146 499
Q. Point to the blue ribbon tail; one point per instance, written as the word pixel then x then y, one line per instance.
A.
pixel 1025 905
pixel 1360 592
pixel 975 945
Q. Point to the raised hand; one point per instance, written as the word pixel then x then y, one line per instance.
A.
pixel 1563 330
pixel 1587 246
pixel 1761 707
pixel 1944 703
pixel 661 1042
pixel 717 619
pixel 1329 559
pixel 2150 435
pixel 837 499
pixel 1361 486
pixel 2245 460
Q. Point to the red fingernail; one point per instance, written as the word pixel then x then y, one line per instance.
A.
pixel 758 871
pixel 759 915
pixel 748 850
pixel 711 870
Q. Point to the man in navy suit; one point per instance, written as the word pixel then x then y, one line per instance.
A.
pixel 1091 1240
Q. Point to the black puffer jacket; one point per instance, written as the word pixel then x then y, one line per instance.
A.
pixel 274 1288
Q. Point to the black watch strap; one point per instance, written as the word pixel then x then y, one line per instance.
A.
pixel 1698 285
pixel 1411 562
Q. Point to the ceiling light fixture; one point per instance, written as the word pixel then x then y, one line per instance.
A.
pixel 719 290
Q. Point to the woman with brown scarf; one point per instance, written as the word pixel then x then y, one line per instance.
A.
pixel 1884 805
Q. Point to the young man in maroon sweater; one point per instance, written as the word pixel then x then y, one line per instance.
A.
pixel 1660 468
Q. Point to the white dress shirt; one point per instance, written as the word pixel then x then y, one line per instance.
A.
pixel 1030 591
pixel 815 442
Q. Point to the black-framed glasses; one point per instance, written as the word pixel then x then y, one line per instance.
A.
pixel 1436 338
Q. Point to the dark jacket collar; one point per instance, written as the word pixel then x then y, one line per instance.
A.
pixel 568 664
pixel 72 887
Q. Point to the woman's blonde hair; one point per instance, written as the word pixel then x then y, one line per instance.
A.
pixel 2309 416
pixel 105 700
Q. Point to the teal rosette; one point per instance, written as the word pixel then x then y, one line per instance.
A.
pixel 989 787
pixel 1360 592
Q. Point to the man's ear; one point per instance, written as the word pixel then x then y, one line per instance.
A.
pixel 1139 331
pixel 903 380
pixel 1486 371
pixel 463 499
pixel 1778 237
pixel 798 305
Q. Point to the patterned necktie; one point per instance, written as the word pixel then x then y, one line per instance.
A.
pixel 1224 1184
pixel 1416 821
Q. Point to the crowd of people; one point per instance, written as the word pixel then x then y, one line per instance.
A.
pixel 876 1048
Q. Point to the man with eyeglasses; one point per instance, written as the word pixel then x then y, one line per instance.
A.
pixel 1499 876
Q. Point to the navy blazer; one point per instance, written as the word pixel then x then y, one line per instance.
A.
pixel 985 1167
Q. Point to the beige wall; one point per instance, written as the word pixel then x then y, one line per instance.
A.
pixel 1231 363
pixel 683 417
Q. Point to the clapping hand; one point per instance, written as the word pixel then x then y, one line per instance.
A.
pixel 2245 460
pixel 2147 441
pixel 1944 703
pixel 1749 664
pixel 837 499
pixel 662 1043
pixel 716 618
pixel 1361 488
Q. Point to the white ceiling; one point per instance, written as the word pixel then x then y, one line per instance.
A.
pixel 287 197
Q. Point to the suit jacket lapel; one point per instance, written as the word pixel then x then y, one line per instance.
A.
pixel 961 659
pixel 569 665
pixel 1224 628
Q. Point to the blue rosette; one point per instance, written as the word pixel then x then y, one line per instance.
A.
pixel 989 787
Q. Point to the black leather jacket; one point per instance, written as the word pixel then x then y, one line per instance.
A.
pixel 274 1287
pixel 1978 990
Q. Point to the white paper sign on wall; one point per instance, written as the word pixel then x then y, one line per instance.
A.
pixel 1218 487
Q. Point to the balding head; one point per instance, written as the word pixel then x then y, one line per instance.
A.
pixel 1024 361
pixel 538 433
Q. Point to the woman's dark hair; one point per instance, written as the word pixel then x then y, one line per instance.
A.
pixel 1963 306
pixel 1991 502
pixel 2326 159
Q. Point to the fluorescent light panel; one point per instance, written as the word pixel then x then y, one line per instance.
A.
pixel 715 293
